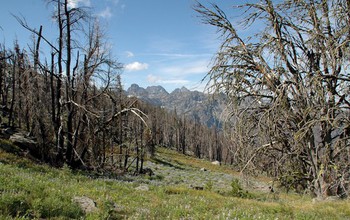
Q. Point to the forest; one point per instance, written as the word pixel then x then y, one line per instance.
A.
pixel 287 89
pixel 73 105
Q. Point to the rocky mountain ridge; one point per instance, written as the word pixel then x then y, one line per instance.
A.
pixel 193 104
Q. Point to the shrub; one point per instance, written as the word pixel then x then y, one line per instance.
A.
pixel 14 205
pixel 209 185
pixel 238 191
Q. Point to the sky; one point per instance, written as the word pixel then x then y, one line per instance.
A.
pixel 159 42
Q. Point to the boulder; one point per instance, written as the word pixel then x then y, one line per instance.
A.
pixel 86 204
pixel 142 188
pixel 25 143
pixel 216 163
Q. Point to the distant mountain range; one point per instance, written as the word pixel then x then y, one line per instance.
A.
pixel 193 104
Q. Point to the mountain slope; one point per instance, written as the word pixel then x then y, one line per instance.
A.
pixel 177 190
pixel 193 104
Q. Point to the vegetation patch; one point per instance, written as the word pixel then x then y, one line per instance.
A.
pixel 7 146
pixel 39 191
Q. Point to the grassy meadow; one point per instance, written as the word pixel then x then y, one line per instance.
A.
pixel 29 190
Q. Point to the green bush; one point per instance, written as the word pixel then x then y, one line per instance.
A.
pixel 50 207
pixel 209 185
pixel 14 205
pixel 238 191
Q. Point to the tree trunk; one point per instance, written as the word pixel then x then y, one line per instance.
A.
pixel 59 125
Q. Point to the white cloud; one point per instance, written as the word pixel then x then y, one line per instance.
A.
pixel 189 68
pixel 156 79
pixel 76 3
pixel 136 66
pixel 176 81
pixel 107 14
pixel 129 54
pixel 153 79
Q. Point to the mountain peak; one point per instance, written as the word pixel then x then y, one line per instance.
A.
pixel 133 86
pixel 156 89
pixel 184 89
pixel 136 90
pixel 181 90
pixel 184 100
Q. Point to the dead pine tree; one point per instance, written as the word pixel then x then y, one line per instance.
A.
pixel 289 80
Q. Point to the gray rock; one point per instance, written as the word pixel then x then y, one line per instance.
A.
pixel 142 188
pixel 86 204
pixel 216 163
pixel 25 143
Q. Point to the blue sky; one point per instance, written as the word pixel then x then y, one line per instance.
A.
pixel 160 42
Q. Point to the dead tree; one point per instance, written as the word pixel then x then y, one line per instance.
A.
pixel 290 78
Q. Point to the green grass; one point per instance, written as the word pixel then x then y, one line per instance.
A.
pixel 33 191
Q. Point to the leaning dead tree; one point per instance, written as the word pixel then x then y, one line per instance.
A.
pixel 288 85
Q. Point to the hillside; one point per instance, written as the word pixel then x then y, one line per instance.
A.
pixel 180 188
pixel 278 106
pixel 195 105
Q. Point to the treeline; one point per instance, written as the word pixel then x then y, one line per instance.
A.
pixel 107 127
